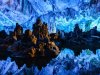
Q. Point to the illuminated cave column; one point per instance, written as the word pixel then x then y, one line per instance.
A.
pixel 52 26
pixel 87 26
pixel 98 27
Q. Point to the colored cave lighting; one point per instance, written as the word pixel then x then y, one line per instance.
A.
pixel 66 63
pixel 58 14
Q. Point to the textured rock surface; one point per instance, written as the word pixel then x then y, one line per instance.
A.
pixel 58 14
pixel 66 63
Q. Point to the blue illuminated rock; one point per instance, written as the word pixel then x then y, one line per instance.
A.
pixel 5 23
pixel 60 14
pixel 8 67
pixel 66 63
pixel 64 53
